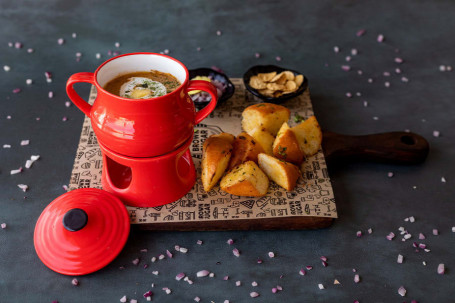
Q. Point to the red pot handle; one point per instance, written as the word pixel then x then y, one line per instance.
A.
pixel 209 88
pixel 77 100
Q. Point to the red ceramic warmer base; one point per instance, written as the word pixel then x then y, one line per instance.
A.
pixel 149 182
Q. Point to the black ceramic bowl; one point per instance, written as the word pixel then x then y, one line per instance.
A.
pixel 268 69
pixel 208 72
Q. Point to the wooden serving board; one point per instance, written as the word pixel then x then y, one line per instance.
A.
pixel 310 205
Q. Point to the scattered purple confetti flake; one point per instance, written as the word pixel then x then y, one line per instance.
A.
pixel 386 74
pixel 380 38
pixel 278 58
pixel 23 187
pixel 236 252
pixel 274 290
pixel 50 94
pixel 16 171
pixel 421 236
pixel 230 241
pixel 336 282
pixel 155 272
pixel 166 51
pixel 398 60
pixel 436 133
pixel 30 50
pixel 365 103
pixel 180 276
pixel 148 294
pixel 218 33
pixel 197 299
pixel 135 261
pixel 349 94
pixel 323 258
pixel 397 70
pixel 404 79
pixel 211 275
pixel 360 72
pixel 370 231
pixel 402 291
pixel 321 286
pixel 6 68
pixel 400 259
pixel 279 287
pixel 257 55
pixel 370 80
pixel 271 254
pixel 254 284
pixel 356 278
pixel 358 94
pixel 117 44
pixel 435 232
pixel 202 273
pixel 199 242
pixel 6 146
pixel 354 270
pixel 348 58
pixel 302 272
pixel 390 236
pixel 390 174
pixel 354 52
pixel 65 119
pixel 442 68
pixel 67 103
pixel 225 278
pixel 226 301
pixel 60 41
pixel 407 236
pixel 358 234
pixel 360 32
pixel 324 264
pixel 75 282
pixel 18 45
pixel 412 219
pixel 346 68
pixel 16 90
pixel 443 180
pixel 183 250
pixel 254 294
pixel 161 257
pixel 168 253
pixel 336 49
pixel 10 44
pixel 259 261
pixel 238 283
pixel 3 225
pixel 422 245
pixel 145 266
pixel 123 299
pixel 387 84
pixel 309 267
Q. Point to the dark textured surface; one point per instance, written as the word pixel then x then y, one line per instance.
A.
pixel 304 35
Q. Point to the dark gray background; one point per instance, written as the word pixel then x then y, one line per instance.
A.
pixel 303 33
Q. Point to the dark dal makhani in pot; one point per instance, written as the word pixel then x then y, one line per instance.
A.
pixel 142 85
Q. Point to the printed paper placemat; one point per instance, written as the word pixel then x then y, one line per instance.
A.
pixel 313 195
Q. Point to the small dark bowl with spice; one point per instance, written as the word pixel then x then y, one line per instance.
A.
pixel 259 69
pixel 224 86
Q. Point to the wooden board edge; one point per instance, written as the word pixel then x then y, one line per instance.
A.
pixel 286 223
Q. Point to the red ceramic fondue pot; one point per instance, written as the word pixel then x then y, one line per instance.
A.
pixel 142 127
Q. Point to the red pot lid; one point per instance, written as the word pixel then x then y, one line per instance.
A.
pixel 81 231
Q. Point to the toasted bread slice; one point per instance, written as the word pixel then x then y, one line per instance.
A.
pixel 245 148
pixel 264 138
pixel 286 147
pixel 247 179
pixel 309 136
pixel 216 154
pixel 267 116
pixel 283 173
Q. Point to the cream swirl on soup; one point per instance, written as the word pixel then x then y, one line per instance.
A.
pixel 142 88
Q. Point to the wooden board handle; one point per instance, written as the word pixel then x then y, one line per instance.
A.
pixel 393 147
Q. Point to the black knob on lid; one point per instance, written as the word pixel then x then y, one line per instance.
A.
pixel 75 219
